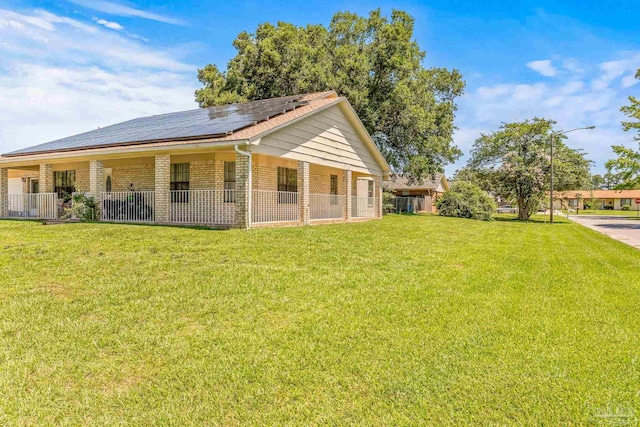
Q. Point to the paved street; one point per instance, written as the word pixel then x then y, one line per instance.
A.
pixel 623 229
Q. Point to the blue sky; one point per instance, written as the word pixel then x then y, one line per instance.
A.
pixel 67 66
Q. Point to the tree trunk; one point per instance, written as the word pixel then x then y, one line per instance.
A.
pixel 523 210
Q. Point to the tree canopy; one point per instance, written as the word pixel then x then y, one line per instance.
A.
pixel 627 163
pixel 373 61
pixel 515 161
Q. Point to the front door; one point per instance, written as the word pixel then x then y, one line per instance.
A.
pixel 35 186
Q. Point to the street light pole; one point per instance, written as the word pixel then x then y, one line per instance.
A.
pixel 553 134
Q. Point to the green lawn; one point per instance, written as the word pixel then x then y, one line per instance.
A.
pixel 406 321
pixel 631 214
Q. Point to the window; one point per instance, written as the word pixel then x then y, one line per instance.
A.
pixel 287 181
pixel 573 203
pixel 64 184
pixel 229 182
pixel 625 202
pixel 370 192
pixel 334 189
pixel 108 184
pixel 180 183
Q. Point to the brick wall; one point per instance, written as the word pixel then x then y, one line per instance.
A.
pixel 142 176
pixel 82 180
pixel 265 177
pixel 46 179
pixel 218 174
pixel 321 182
pixel 4 190
pixel 242 189
pixel 303 191
pixel 162 172
pixel 202 175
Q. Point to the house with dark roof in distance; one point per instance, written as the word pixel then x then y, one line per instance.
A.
pixel 416 196
pixel 304 159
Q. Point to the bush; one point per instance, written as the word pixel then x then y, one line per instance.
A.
pixel 608 208
pixel 626 208
pixel 388 202
pixel 591 204
pixel 466 200
pixel 83 207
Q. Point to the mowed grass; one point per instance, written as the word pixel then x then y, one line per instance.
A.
pixel 411 320
pixel 602 212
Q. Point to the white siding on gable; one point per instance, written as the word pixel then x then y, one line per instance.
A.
pixel 440 188
pixel 325 138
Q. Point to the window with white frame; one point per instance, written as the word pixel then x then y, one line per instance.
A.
pixel 624 202
pixel 64 184
pixel 287 182
pixel 179 182
pixel 229 182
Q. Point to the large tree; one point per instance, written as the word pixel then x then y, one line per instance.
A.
pixel 627 162
pixel 373 61
pixel 515 159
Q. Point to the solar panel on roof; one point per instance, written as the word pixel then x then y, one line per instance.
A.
pixel 204 122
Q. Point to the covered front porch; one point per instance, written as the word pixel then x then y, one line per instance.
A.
pixel 224 188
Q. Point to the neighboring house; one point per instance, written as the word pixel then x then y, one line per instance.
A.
pixel 416 196
pixel 307 159
pixel 612 199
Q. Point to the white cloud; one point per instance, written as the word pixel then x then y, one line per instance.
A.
pixel 569 101
pixel 543 67
pixel 118 9
pixel 571 64
pixel 108 24
pixel 60 76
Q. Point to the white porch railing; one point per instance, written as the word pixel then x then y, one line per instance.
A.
pixel 35 206
pixel 326 206
pixel 363 207
pixel 275 206
pixel 128 206
pixel 203 207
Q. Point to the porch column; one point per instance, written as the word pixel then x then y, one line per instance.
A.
pixel 378 193
pixel 45 183
pixel 162 188
pixel 242 191
pixel 4 191
pixel 303 192
pixel 96 180
pixel 347 191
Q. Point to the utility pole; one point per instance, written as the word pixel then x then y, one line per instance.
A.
pixel 553 134
pixel 551 184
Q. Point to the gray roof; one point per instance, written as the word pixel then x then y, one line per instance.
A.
pixel 399 182
pixel 202 122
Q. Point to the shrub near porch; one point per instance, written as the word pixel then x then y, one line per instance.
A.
pixel 369 323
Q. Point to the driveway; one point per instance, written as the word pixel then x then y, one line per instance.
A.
pixel 623 229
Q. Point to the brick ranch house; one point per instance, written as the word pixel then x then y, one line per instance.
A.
pixel 416 196
pixel 295 160
pixel 605 199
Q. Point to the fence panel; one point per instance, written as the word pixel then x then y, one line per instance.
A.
pixel 326 206
pixel 363 207
pixel 405 204
pixel 34 206
pixel 202 207
pixel 128 206
pixel 275 206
